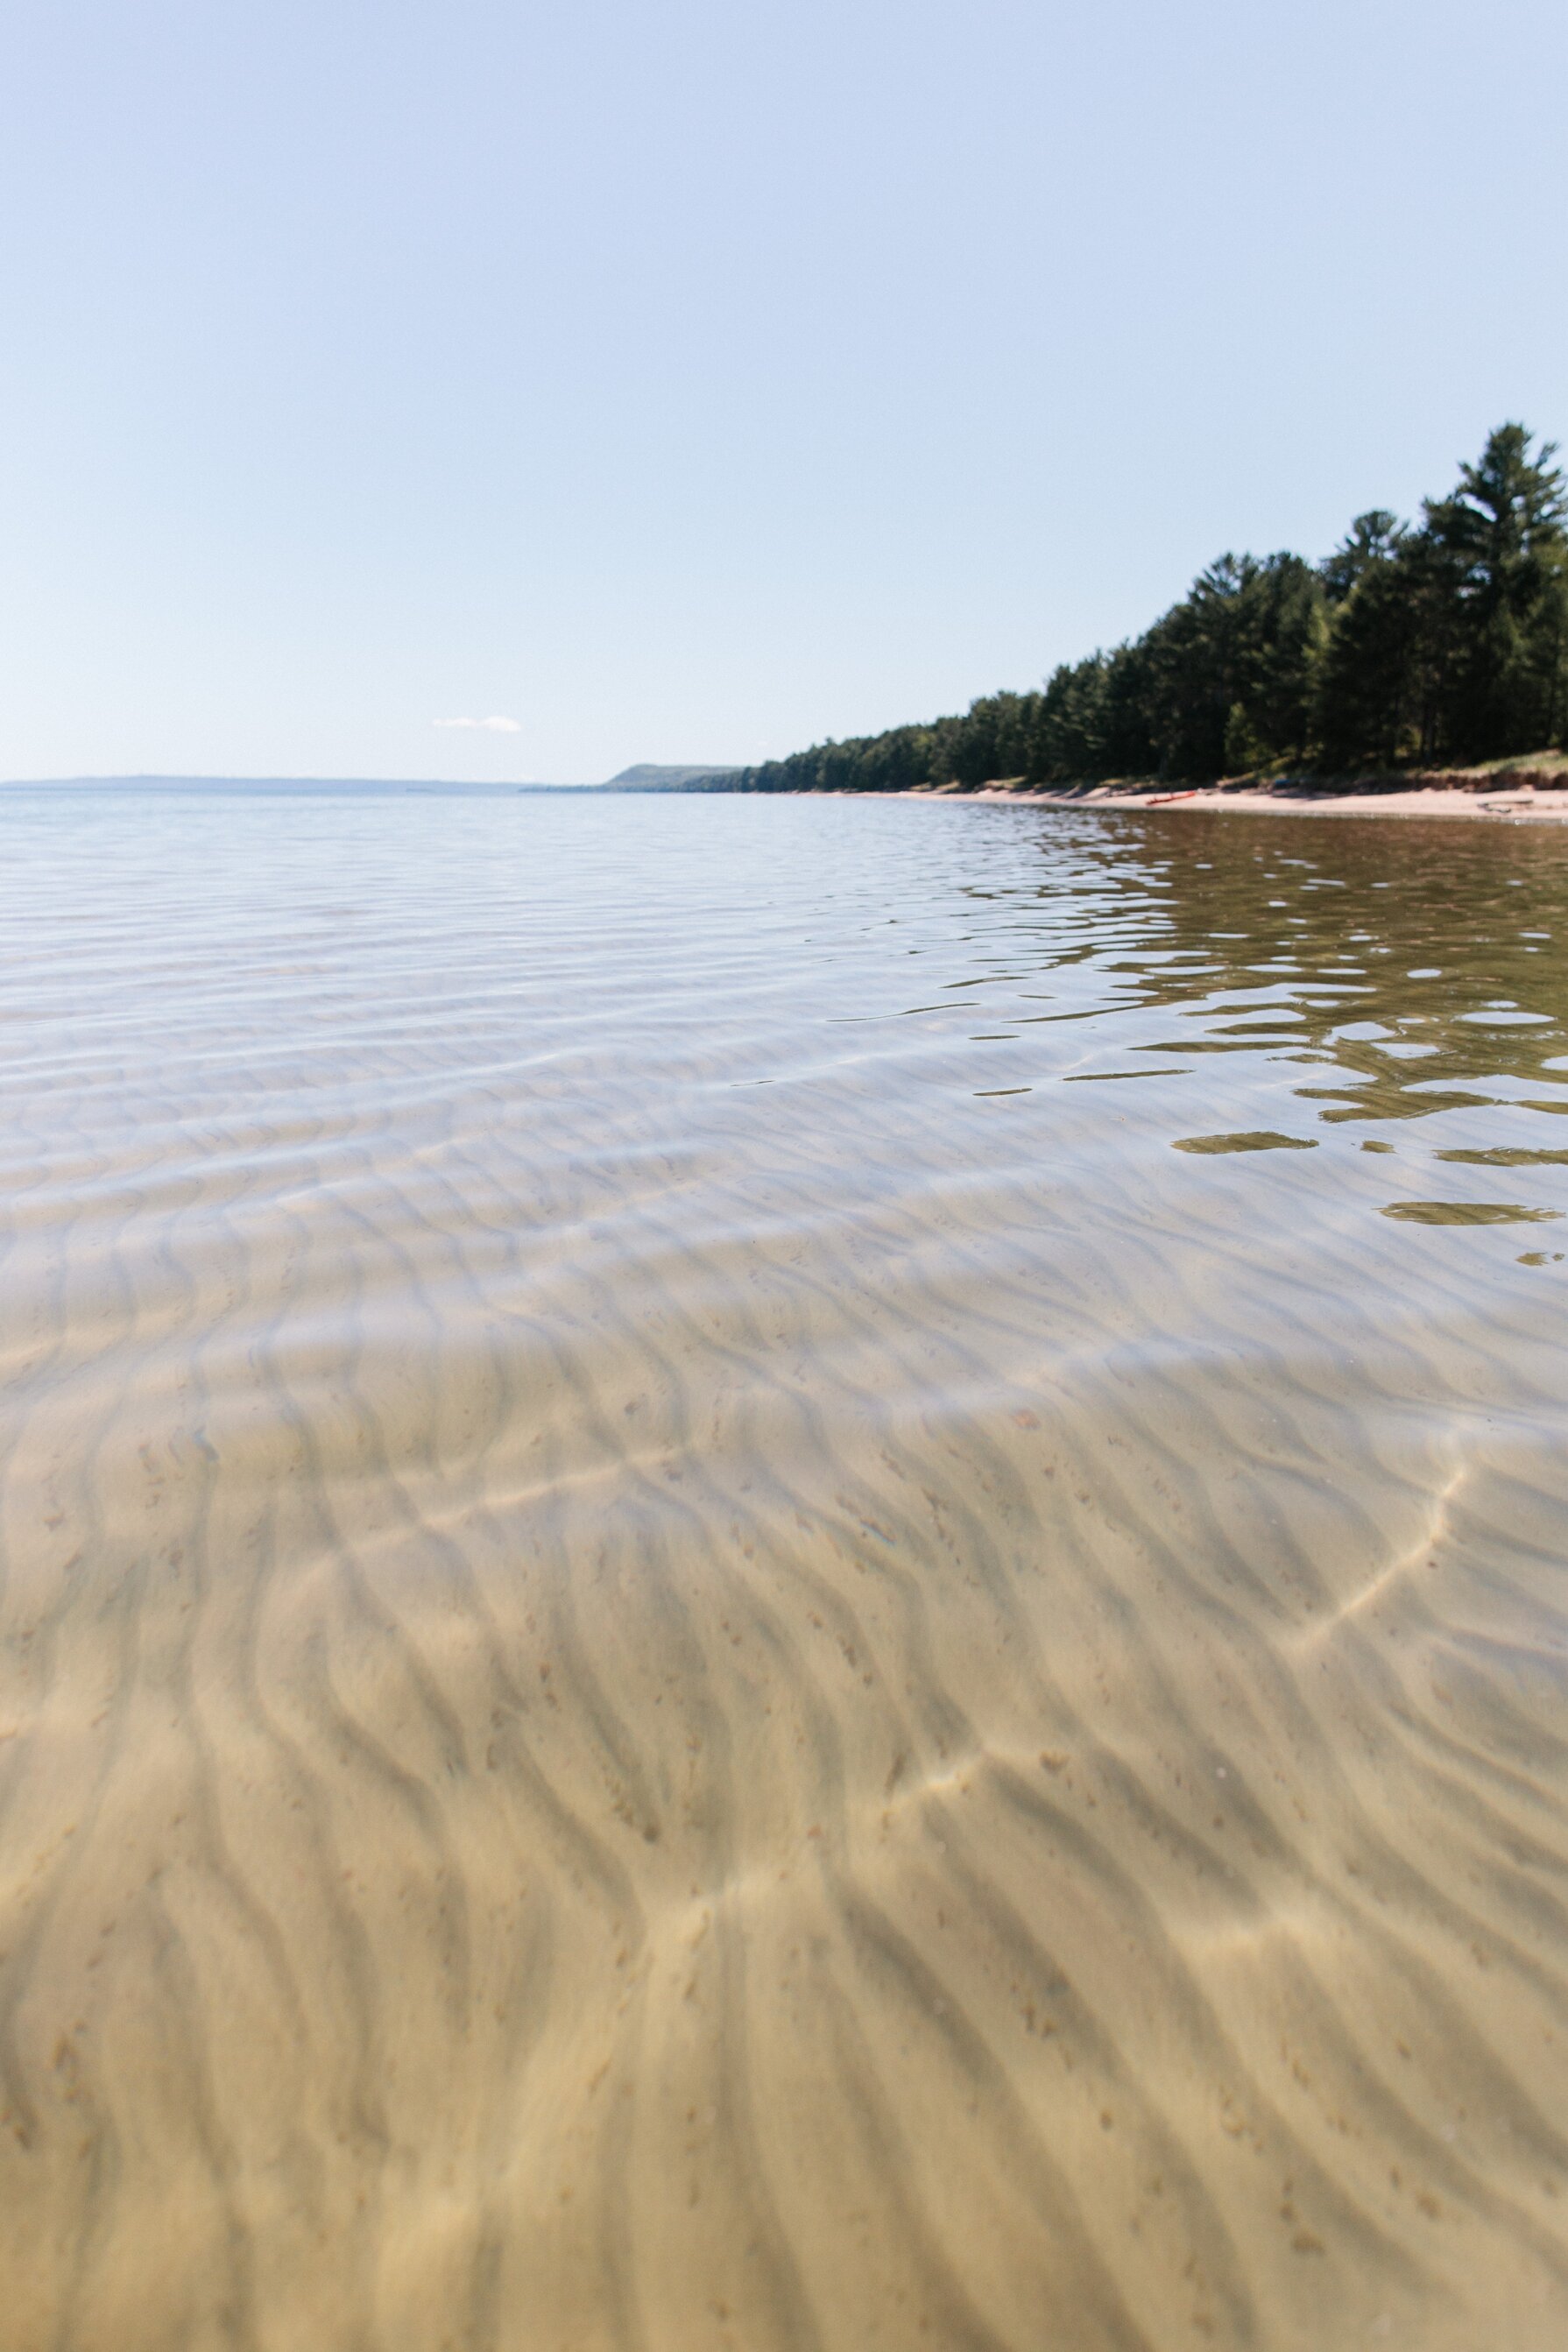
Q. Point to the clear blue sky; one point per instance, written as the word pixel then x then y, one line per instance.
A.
pixel 687 381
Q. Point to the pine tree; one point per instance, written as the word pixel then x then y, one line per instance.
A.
pixel 1372 540
pixel 1503 532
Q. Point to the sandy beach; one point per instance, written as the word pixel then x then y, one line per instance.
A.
pixel 1543 803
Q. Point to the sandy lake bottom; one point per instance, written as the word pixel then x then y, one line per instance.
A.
pixel 780 1574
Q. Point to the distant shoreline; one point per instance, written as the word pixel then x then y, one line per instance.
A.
pixel 1533 794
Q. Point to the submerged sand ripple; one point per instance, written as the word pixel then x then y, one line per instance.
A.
pixel 648 1710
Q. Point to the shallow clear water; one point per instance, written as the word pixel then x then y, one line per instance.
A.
pixel 780 1574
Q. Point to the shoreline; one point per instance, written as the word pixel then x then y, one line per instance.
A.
pixel 1508 804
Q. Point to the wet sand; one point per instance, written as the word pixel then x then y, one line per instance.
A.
pixel 697 1653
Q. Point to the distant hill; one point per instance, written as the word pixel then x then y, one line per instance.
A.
pixel 649 777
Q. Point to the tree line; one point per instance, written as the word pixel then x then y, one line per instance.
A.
pixel 1435 643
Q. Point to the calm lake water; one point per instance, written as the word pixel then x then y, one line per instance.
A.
pixel 780 1574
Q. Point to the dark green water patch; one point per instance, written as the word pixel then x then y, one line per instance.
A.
pixel 1259 1139
pixel 1500 1157
pixel 1467 1213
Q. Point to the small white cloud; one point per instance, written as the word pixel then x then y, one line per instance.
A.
pixel 487 725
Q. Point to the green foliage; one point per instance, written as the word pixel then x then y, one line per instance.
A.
pixel 1445 640
pixel 1245 749
pixel 1503 535
pixel 1373 537
pixel 1450 642
pixel 1374 683
pixel 1234 657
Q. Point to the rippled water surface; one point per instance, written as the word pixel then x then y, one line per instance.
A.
pixel 780 1574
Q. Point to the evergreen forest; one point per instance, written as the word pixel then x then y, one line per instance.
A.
pixel 1439 643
